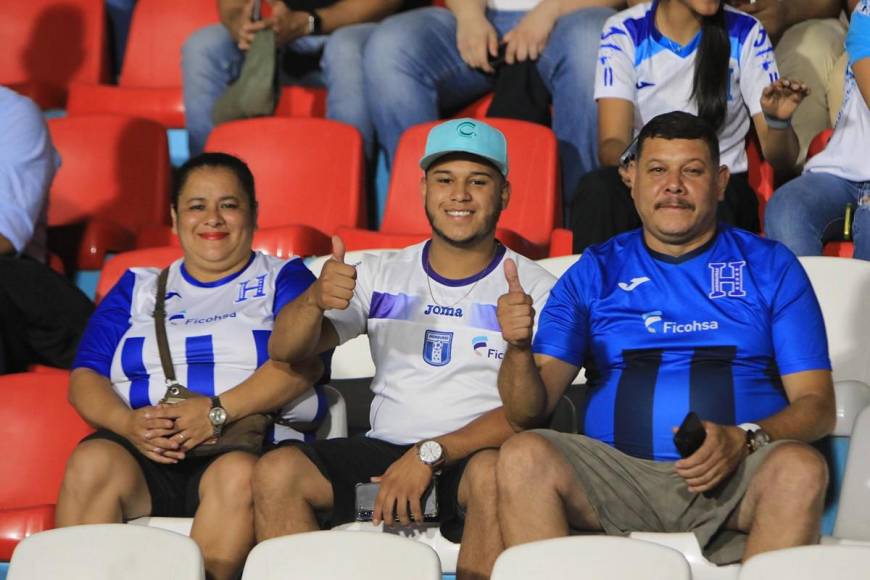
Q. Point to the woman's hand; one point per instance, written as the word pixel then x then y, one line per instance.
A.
pixel 780 99
pixel 192 425
pixel 528 39
pixel 151 430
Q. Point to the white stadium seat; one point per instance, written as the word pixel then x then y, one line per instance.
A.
pixel 335 554
pixel 810 563
pixel 599 557
pixel 107 552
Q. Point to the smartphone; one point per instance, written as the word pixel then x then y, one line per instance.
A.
pixel 366 493
pixel 690 436
pixel 630 153
pixel 256 11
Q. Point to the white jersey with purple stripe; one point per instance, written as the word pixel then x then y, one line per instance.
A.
pixel 638 64
pixel 218 332
pixel 846 153
pixel 436 343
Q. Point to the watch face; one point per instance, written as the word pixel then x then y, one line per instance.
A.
pixel 430 452
pixel 217 416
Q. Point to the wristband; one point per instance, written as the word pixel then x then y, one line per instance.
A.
pixel 775 123
pixel 315 25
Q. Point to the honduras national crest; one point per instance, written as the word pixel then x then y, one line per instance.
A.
pixel 437 346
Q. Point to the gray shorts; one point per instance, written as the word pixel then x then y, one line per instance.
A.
pixel 638 495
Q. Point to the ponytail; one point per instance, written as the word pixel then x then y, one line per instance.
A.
pixel 710 82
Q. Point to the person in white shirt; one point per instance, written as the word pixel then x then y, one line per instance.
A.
pixel 430 314
pixel 704 58
pixel 810 210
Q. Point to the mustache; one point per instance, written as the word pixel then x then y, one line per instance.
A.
pixel 677 202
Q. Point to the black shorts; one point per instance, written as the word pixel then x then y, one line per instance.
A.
pixel 174 488
pixel 346 462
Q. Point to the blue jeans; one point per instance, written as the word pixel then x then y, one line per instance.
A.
pixel 413 70
pixel 211 61
pixel 809 210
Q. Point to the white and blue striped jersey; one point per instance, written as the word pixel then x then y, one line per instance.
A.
pixel 218 332
pixel 846 153
pixel 436 342
pixel 638 64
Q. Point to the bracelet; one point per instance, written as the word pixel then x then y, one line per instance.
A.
pixel 315 25
pixel 775 123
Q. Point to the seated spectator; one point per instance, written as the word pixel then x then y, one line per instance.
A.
pixel 682 315
pixel 331 31
pixel 429 311
pixel 42 315
pixel 810 210
pixel 220 302
pixel 807 36
pixel 423 62
pixel 694 56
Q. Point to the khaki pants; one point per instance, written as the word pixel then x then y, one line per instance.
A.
pixel 812 52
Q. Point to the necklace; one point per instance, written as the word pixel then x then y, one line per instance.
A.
pixel 428 269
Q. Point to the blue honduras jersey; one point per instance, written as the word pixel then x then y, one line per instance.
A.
pixel 711 332
pixel 218 332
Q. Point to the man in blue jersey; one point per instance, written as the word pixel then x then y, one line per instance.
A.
pixel 681 315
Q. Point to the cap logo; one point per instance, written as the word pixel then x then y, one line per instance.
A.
pixel 466 129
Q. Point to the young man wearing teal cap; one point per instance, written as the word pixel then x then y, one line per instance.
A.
pixel 430 313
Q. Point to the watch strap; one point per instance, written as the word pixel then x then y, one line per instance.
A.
pixel 315 24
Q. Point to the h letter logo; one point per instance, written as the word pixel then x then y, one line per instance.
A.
pixel 726 279
pixel 257 286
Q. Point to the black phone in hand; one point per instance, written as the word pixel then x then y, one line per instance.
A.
pixel 690 436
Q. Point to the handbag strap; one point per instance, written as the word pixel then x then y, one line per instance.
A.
pixel 160 328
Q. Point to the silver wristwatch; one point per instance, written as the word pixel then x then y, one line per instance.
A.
pixel 756 437
pixel 217 415
pixel 431 453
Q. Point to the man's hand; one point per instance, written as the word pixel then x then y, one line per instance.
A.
pixel 150 429
pixel 477 42
pixel 287 24
pixel 192 424
pixel 334 288
pixel 528 39
pixel 781 99
pixel 403 484
pixel 773 14
pixel 723 450
pixel 515 311
pixel 246 28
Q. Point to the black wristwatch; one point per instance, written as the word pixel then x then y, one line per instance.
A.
pixel 756 437
pixel 315 24
pixel 217 415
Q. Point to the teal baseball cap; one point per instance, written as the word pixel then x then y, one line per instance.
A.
pixel 466 136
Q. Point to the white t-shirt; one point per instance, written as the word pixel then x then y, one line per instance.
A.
pixel 637 63
pixel 218 332
pixel 436 343
pixel 512 5
pixel 846 154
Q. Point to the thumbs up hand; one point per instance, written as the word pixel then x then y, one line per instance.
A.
pixel 515 312
pixel 334 288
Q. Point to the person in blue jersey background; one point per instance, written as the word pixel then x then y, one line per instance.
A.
pixel 684 314
pixel 221 298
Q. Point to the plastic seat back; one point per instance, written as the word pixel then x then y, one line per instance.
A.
pixel 115 171
pixel 535 205
pixel 809 563
pixel 157 32
pixel 613 558
pixel 107 552
pixel 38 431
pixel 307 171
pixel 342 554
pixel 47 44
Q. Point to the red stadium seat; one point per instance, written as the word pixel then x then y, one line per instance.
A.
pixel 301 102
pixel 761 174
pixel 819 142
pixel 309 172
pixel 150 83
pixel 533 212
pixel 561 242
pixel 48 44
pixel 280 241
pixel 114 181
pixel 38 431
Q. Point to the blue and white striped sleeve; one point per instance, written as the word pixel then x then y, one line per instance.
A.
pixel 108 324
